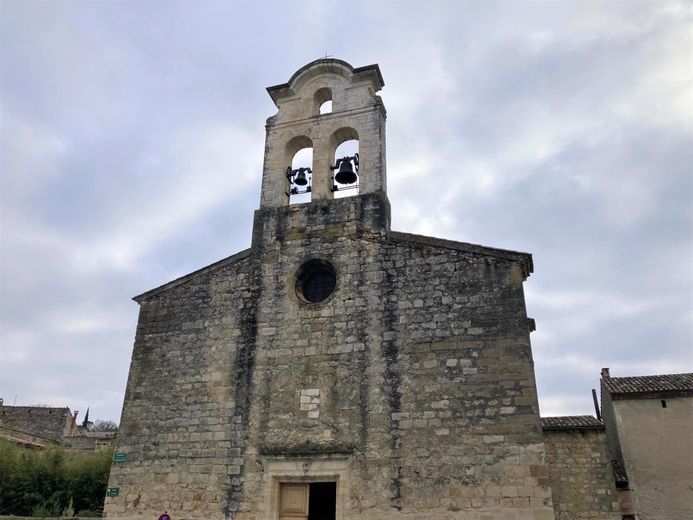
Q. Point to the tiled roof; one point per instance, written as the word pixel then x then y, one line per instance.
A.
pixel 571 422
pixel 644 386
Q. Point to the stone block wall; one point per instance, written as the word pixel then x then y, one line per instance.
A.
pixel 87 442
pixel 190 373
pixel 413 381
pixel 411 386
pixel 581 475
pixel 48 422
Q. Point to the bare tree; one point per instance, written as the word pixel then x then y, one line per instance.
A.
pixel 103 426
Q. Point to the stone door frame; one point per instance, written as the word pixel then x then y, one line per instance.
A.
pixel 306 470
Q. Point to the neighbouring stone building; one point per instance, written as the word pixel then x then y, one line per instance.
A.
pixel 338 369
pixel 580 469
pixel 649 424
pixel 45 426
pixel 37 425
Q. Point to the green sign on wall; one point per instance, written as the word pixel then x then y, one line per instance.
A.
pixel 112 492
pixel 119 457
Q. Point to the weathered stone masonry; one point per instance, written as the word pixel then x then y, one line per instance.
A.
pixel 580 469
pixel 49 422
pixel 411 386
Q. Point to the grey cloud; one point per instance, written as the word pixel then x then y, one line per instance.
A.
pixel 555 129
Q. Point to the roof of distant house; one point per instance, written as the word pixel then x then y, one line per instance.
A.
pixel 670 385
pixel 571 422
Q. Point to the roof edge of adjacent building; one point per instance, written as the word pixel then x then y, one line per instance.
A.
pixel 655 394
pixel 571 423
pixel 648 387
pixel 37 407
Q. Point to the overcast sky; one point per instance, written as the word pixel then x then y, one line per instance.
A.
pixel 131 150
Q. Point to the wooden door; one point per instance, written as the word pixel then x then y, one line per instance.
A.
pixel 293 501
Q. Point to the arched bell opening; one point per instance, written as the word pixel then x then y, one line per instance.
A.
pixel 322 101
pixel 345 168
pixel 299 171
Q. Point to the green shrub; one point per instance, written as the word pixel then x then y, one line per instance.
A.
pixel 52 482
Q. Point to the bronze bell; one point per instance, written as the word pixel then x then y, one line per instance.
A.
pixel 301 179
pixel 346 174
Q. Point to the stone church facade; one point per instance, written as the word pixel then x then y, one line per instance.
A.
pixel 336 369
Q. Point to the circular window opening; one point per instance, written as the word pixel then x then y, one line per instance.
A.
pixel 316 280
